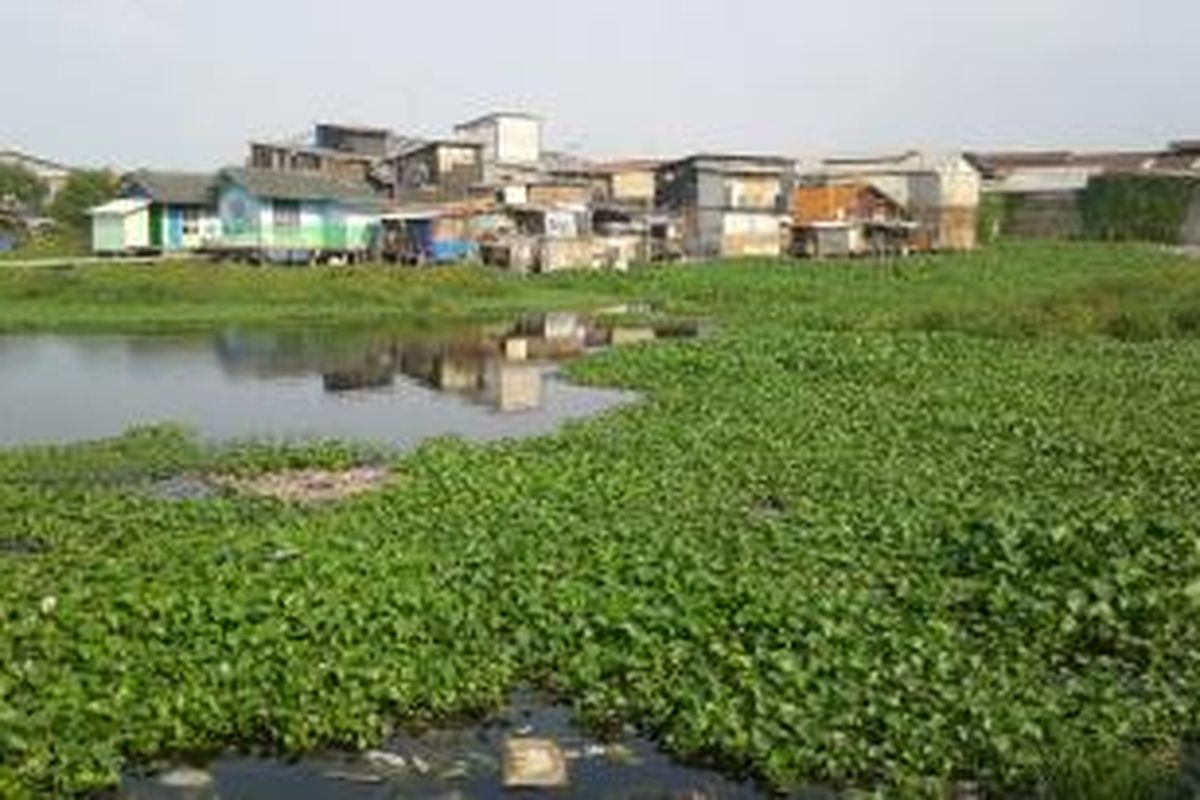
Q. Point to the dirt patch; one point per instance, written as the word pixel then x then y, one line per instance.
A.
pixel 308 485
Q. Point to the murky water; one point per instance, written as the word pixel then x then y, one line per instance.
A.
pixel 461 762
pixel 392 387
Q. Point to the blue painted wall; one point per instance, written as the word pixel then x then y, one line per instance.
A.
pixel 173 223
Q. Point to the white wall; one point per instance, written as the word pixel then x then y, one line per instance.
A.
pixel 519 140
pixel 137 229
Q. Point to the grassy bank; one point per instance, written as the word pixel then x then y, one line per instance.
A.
pixel 891 526
pixel 1021 289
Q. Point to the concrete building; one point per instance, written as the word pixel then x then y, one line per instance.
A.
pixel 728 205
pixel 511 142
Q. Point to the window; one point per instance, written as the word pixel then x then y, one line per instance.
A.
pixel 287 215
pixel 262 157
pixel 191 221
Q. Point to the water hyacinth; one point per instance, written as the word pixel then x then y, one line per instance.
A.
pixel 829 546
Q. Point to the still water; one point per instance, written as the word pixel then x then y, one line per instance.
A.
pixel 455 763
pixel 398 388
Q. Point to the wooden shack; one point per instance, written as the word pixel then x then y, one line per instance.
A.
pixel 939 192
pixel 183 208
pixel 727 205
pixel 124 227
pixel 437 170
pixel 847 219
pixel 294 217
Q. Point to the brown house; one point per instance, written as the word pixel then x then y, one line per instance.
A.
pixel 435 170
pixel 846 219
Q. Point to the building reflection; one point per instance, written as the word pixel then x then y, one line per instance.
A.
pixel 502 366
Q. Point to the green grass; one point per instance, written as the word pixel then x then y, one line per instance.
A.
pixel 889 527
pixel 1013 289
pixel 57 244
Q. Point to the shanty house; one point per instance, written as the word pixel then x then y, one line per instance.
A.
pixel 939 192
pixel 728 205
pixel 352 139
pixel 439 234
pixel 435 170
pixel 344 152
pixel 294 217
pixel 123 227
pixel 835 219
pixel 183 208
pixel 285 157
pixel 630 183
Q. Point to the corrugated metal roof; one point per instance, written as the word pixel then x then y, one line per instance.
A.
pixel 628 165
pixel 177 188
pixel 998 164
pixel 120 207
pixel 298 185
pixel 494 115
pixel 736 159
pixel 323 152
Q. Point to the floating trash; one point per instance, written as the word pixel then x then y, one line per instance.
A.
pixel 530 748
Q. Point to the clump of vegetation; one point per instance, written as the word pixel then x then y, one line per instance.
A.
pixel 22 187
pixel 83 190
pixel 889 527
pixel 1148 208
pixel 23 196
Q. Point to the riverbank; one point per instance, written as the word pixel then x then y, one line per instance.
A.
pixel 1014 289
pixel 893 526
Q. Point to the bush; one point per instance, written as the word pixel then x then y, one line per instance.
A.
pixel 22 186
pixel 1150 208
pixel 82 191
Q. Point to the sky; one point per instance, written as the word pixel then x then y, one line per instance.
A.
pixel 185 83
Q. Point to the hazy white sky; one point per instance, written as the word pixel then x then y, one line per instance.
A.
pixel 186 82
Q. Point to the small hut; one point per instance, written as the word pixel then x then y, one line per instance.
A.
pixel 124 227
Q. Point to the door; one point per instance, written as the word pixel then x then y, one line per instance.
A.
pixel 156 226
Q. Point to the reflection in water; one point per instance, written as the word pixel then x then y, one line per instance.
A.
pixel 377 384
pixel 500 366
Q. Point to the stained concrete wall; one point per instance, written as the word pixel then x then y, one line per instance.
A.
pixel 1043 215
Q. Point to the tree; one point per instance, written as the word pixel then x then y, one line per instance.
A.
pixel 83 190
pixel 23 186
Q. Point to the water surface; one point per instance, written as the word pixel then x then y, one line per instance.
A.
pixel 456 762
pixel 481 382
